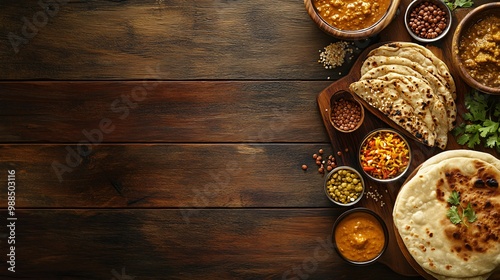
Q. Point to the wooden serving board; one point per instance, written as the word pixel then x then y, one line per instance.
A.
pixel 380 197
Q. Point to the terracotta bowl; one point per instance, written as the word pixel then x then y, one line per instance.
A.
pixel 353 34
pixel 470 19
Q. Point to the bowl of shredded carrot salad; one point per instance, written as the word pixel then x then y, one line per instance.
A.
pixel 384 155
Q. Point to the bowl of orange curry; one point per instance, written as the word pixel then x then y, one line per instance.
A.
pixel 352 19
pixel 360 236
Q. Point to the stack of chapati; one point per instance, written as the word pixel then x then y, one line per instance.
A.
pixel 445 250
pixel 411 86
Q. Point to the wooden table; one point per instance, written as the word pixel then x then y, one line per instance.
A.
pixel 164 140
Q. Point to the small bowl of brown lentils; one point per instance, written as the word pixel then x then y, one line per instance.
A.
pixel 344 186
pixel 427 20
pixel 346 113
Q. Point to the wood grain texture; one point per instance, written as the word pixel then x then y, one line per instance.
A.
pixel 160 244
pixel 280 111
pixel 158 175
pixel 120 39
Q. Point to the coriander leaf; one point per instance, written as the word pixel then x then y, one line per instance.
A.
pixel 458 130
pixel 478 111
pixel 463 139
pixel 482 121
pixel 468 117
pixel 470 214
pixel 472 128
pixel 467 4
pixel 474 140
pixel 492 141
pixel 489 126
pixel 454 198
pixel 496 110
pixel 453 215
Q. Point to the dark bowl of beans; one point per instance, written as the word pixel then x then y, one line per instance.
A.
pixel 384 155
pixel 352 20
pixel 344 186
pixel 346 113
pixel 427 20
pixel 475 48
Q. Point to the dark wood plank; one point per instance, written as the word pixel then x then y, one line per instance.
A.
pixel 206 40
pixel 160 244
pixel 189 40
pixel 159 175
pixel 284 111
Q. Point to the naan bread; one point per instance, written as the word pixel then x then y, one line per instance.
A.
pixel 418 94
pixel 386 97
pixel 436 82
pixel 443 249
pixel 460 153
pixel 422 56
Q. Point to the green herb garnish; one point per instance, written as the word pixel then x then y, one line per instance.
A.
pixel 459 4
pixel 454 212
pixel 482 122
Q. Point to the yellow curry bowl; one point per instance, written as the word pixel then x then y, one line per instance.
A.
pixel 352 19
pixel 360 236
pixel 476 48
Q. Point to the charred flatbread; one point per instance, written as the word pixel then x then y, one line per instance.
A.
pixel 467 250
pixel 417 93
pixel 421 55
pixel 436 83
pixel 386 96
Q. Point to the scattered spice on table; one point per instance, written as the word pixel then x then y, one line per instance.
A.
pixel 375 195
pixel 334 54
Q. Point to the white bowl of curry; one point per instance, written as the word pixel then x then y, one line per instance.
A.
pixel 352 19
pixel 360 236
pixel 476 48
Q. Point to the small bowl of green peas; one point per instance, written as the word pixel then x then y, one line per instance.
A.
pixel 344 186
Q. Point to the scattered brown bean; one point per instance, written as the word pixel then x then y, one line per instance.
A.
pixel 322 163
pixel 427 20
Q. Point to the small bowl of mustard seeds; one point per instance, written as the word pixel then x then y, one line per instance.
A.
pixel 344 186
pixel 427 20
pixel 346 113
